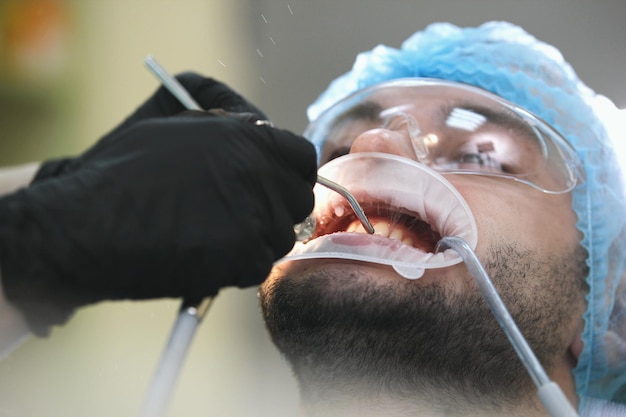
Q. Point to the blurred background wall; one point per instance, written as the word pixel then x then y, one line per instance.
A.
pixel 72 69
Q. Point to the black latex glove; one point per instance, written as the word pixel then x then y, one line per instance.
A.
pixel 166 207
pixel 207 92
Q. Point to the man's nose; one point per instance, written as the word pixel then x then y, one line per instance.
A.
pixel 400 135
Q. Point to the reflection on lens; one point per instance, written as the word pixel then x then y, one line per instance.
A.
pixel 453 128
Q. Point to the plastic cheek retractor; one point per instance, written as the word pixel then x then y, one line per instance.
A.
pixel 410 205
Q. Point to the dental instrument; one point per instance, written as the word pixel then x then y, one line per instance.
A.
pixel 356 207
pixel 303 230
pixel 306 228
pixel 550 394
pixel 192 312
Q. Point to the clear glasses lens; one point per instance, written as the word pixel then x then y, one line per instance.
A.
pixel 452 128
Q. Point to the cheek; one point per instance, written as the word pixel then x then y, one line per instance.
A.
pixel 516 213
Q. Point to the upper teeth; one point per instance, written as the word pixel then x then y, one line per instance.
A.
pixel 384 229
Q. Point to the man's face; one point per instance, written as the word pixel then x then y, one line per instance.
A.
pixel 341 321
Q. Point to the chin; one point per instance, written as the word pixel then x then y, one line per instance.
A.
pixel 343 323
pixel 347 323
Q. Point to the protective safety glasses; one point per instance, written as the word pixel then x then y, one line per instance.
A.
pixel 452 128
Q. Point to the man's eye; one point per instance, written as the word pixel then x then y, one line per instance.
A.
pixel 481 161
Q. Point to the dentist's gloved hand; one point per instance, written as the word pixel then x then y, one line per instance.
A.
pixel 165 207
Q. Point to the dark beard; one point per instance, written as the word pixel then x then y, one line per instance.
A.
pixel 399 338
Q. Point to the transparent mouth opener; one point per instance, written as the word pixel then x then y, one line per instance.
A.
pixel 192 312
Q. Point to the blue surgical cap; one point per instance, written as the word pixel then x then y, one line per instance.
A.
pixel 507 61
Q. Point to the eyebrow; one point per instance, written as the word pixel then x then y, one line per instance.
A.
pixel 499 118
pixel 368 110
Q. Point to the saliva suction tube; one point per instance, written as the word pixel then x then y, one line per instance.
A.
pixel 549 392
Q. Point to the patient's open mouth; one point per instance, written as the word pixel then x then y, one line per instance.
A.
pixel 392 222
pixel 410 207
